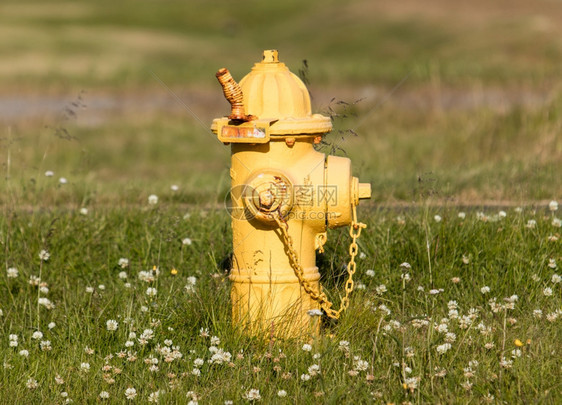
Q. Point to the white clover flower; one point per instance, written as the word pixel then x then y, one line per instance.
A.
pixel 45 345
pixel 547 292
pixel 153 199
pixel 32 384
pixel 502 214
pixel 314 312
pixel 174 187
pixel 252 395
pixel 51 325
pixel 122 275
pixel 24 353
pixel 360 286
pixel 215 341
pixel 83 211
pixel 360 365
pixel 405 276
pixel 462 215
pixel 485 289
pixel 444 348
pixel 553 205
pixel 112 325
pixel 151 292
pixel 85 367
pixel 306 347
pixel 104 395
pixel 123 262
pixel 556 222
pixel 437 218
pixel 552 263
pixel 44 255
pixel 435 291
pixel 196 372
pixel 370 273
pixel 12 272
pixel 89 289
pixel 46 303
pixel 556 279
pixel 130 393
pixel 49 173
pixel 314 370
pixel 186 241
pixel 192 280
pixel 63 180
pixel 305 377
pixel 37 335
pixel 381 289
pixel 531 224
pixel 405 266
pixel 281 393
pixel 101 287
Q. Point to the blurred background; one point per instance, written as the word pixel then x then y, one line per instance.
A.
pixel 457 101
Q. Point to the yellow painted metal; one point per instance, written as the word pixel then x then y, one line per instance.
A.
pixel 278 178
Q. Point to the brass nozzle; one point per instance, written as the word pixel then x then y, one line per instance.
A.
pixel 233 94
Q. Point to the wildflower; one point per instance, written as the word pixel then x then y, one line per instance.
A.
pixel 154 396
pixel 281 393
pixel 306 347
pixel 314 312
pixel 130 393
pixel 104 395
pixel 556 279
pixel 63 180
pixel 485 289
pixel 45 345
pixel 437 218
pixel 381 289
pixel 24 353
pixel 504 363
pixel 153 199
pixel 101 287
pixel 46 303
pixel 362 255
pixel 467 385
pixel 49 173
pixel 435 291
pixel 516 353
pixel 122 275
pixel 12 272
pixel 502 214
pixel 537 313
pixel 90 289
pixel 360 365
pixel 489 345
pixel 85 367
pixel 305 377
pixel 450 337
pixel 552 263
pixel 553 205
pixel 174 187
pixel 556 222
pixel 252 395
pixel 462 215
pixel 465 259
pixel 196 372
pixel 547 292
pixel 44 255
pixel 186 241
pixel 406 277
pixel 112 325
pixel 531 224
pixel 405 266
pixel 411 383
pixel 44 290
pixel 59 380
pixel 173 272
pixel 370 273
pixel 444 348
pixel 151 292
pixel 37 335
pixel 32 383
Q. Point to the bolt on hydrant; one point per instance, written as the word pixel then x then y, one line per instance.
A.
pixel 284 195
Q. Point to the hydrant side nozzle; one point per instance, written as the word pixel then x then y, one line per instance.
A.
pixel 233 93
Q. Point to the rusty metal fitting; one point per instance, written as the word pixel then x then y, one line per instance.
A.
pixel 233 94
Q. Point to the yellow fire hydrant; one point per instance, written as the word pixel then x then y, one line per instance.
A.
pixel 284 195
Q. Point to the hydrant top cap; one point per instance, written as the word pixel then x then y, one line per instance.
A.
pixel 272 91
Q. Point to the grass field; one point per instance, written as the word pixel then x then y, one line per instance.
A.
pixel 457 111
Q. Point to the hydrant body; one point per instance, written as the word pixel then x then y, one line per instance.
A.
pixel 284 196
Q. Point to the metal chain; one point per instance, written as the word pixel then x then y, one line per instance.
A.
pixel 320 296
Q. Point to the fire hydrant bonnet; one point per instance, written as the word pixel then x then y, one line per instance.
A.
pixel 273 93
